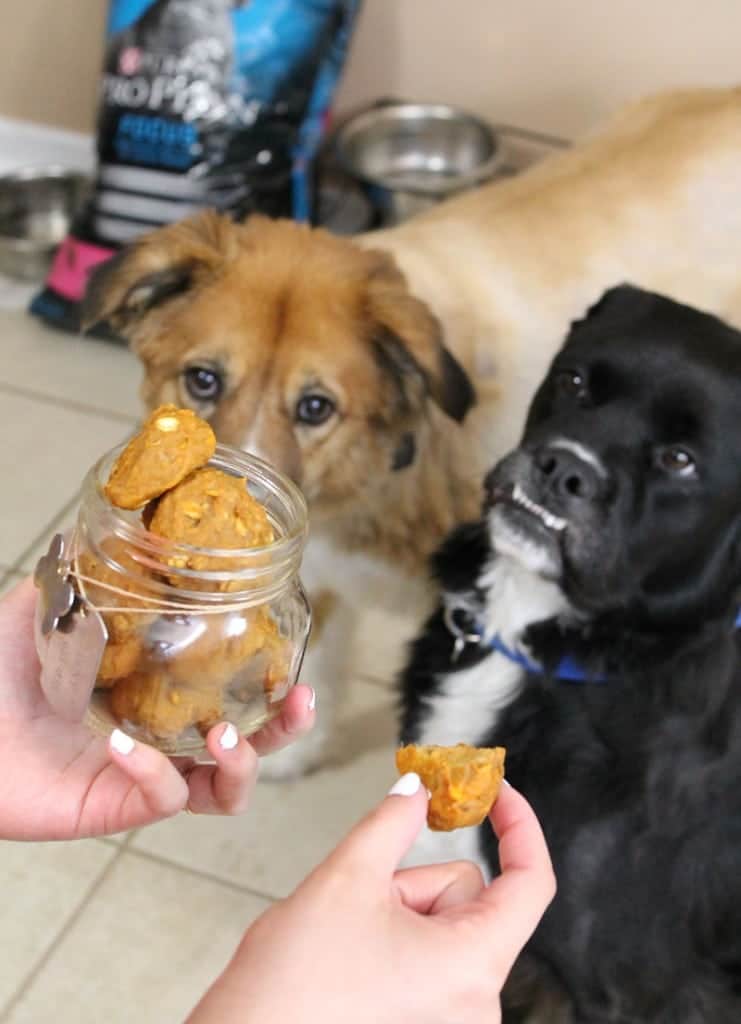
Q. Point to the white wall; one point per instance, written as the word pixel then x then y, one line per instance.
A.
pixel 553 65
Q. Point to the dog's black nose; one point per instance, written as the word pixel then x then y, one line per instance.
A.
pixel 567 474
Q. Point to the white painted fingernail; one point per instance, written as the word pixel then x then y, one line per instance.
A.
pixel 121 743
pixel 312 700
pixel 229 737
pixel 407 785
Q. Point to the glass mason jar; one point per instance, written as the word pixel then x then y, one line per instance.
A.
pixel 193 635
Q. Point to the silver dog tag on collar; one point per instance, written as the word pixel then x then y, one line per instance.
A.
pixel 70 636
pixel 459 645
pixel 461 638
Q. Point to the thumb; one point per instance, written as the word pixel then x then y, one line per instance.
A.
pixel 380 840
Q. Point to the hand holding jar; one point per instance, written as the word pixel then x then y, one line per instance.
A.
pixel 172 618
pixel 60 781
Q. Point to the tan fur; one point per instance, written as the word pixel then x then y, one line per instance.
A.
pixel 277 305
pixel 498 274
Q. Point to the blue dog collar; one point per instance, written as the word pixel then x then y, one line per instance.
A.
pixel 566 670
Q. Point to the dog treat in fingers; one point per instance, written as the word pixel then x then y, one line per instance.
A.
pixel 464 781
pixel 171 444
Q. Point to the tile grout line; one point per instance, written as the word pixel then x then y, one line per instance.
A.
pixel 532 135
pixel 46 956
pixel 68 403
pixel 120 850
pixel 17 565
pixel 380 684
pixel 206 876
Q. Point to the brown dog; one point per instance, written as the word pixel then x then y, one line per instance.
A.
pixel 348 363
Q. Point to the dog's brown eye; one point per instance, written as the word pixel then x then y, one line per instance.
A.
pixel 203 383
pixel 571 384
pixel 677 461
pixel 314 409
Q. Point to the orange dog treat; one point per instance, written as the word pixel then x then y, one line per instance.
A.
pixel 211 509
pixel 118 660
pixel 214 657
pixel 124 646
pixel 148 700
pixel 464 781
pixel 171 444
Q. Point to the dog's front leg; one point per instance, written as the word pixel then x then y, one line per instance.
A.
pixel 326 668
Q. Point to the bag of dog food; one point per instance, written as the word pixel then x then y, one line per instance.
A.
pixel 218 103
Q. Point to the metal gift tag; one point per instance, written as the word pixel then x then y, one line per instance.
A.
pixel 70 635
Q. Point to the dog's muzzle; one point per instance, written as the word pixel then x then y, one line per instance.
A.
pixel 555 481
pixel 568 473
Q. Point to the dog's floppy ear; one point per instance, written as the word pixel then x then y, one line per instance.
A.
pixel 159 266
pixel 408 340
pixel 621 300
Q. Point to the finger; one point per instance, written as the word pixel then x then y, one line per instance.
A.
pixel 526 885
pixel 21 597
pixel 522 845
pixel 437 887
pixel 296 718
pixel 376 845
pixel 16 621
pixel 226 787
pixel 159 790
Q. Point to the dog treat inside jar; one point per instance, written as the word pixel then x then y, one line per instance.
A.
pixel 186 555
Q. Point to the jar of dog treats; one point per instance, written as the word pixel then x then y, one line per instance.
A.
pixel 144 626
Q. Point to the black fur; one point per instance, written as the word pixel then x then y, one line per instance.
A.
pixel 458 393
pixel 456 566
pixel 453 392
pixel 405 452
pixel 637 779
pixel 149 291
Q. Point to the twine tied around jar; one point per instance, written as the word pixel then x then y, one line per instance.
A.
pixel 60 581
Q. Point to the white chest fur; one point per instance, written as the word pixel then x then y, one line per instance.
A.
pixel 366 614
pixel 468 702
pixel 377 609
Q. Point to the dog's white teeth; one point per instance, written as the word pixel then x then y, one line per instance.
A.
pixel 554 522
pixel 551 521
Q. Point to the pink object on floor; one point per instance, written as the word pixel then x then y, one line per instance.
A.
pixel 72 265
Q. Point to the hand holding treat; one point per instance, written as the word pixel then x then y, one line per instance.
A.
pixel 463 781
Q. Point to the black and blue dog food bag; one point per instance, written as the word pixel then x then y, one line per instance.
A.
pixel 204 103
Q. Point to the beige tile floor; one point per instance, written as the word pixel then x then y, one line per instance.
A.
pixel 133 928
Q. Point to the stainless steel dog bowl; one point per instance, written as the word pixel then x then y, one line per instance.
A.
pixel 413 155
pixel 36 208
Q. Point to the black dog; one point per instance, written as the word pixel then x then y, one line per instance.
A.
pixel 589 625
